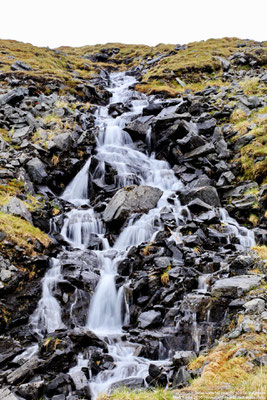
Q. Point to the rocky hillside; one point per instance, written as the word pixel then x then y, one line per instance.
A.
pixel 48 104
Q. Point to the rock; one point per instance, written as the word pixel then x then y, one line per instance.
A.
pixel 206 127
pixel 156 376
pixel 207 194
pixel 225 64
pixel 138 128
pixel 5 275
pixel 181 358
pixel 19 65
pixel 2 236
pixel 242 262
pixel 63 141
pixel 13 96
pixel 20 134
pixel 197 206
pixel 235 286
pixel 149 318
pixel 129 200
pixel 31 390
pixel 17 208
pixel 264 316
pixel 260 361
pixel 26 370
pixel 36 170
pixel 81 384
pixel 132 383
pixel 181 378
pixel 152 109
pixel 254 306
pixel 6 394
pixel 200 151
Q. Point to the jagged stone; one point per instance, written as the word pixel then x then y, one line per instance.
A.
pixel 149 318
pixel 17 208
pixel 36 170
pixel 235 286
pixel 129 200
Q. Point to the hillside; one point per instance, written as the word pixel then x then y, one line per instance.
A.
pixel 166 149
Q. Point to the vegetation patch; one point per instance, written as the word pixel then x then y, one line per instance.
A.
pixel 21 233
pixel 230 365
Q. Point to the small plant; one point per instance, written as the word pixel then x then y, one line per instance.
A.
pixel 165 276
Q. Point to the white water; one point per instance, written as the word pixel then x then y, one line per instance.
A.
pixel 105 316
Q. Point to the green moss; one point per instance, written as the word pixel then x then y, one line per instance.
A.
pixel 22 233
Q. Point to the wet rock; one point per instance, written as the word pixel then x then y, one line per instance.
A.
pixel 207 194
pixel 235 286
pixel 156 376
pixel 138 128
pixel 25 371
pixel 17 208
pixel 58 385
pixel 31 390
pixel 83 338
pixel 36 170
pixel 152 109
pixel 81 384
pixel 129 200
pixel 149 318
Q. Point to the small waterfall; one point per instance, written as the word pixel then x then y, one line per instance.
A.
pixel 47 316
pixel 77 190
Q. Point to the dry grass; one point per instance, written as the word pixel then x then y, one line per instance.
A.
pixel 221 367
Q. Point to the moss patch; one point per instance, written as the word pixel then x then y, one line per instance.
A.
pixel 21 233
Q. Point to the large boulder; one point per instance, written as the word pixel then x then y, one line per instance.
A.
pixel 130 200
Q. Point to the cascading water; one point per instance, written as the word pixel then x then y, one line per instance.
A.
pixel 105 316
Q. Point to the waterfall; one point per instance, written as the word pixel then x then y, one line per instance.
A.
pixel 82 225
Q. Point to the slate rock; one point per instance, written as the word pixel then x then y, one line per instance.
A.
pixel 129 200
pixel 13 96
pixel 149 318
pixel 6 394
pixel 20 65
pixel 235 286
pixel 17 208
pixel 181 358
pixel 36 170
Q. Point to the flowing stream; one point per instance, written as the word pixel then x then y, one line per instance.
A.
pixel 105 315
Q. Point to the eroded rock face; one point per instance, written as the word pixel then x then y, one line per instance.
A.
pixel 130 200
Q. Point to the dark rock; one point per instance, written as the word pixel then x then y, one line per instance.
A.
pixel 181 358
pixel 149 318
pixel 200 151
pixel 181 378
pixel 13 96
pixel 19 65
pixel 36 170
pixel 129 200
pixel 207 194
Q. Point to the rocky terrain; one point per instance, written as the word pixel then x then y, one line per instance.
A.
pixel 196 293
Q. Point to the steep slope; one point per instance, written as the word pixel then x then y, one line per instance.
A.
pixel 185 287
